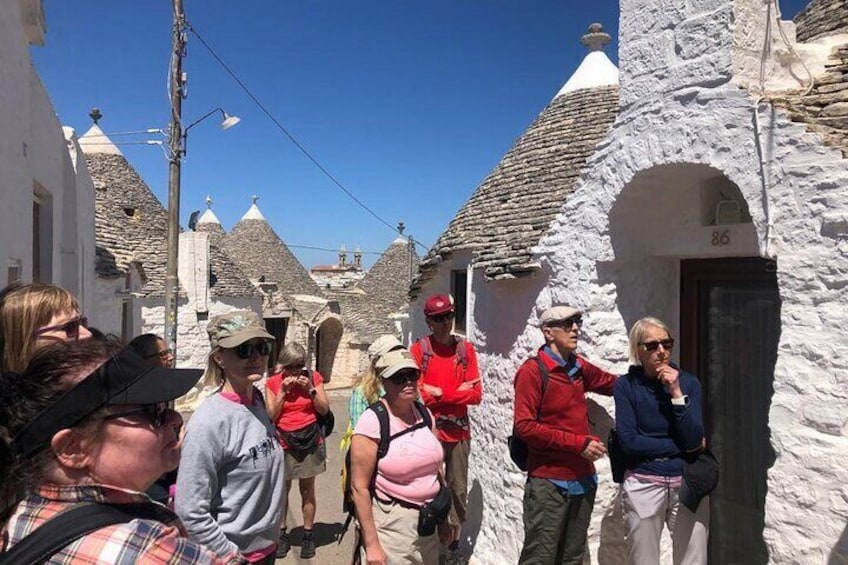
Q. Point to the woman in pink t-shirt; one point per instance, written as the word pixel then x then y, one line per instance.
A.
pixel 405 479
pixel 294 398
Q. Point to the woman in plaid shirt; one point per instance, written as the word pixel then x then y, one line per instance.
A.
pixel 89 423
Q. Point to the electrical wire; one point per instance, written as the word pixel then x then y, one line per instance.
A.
pixel 282 128
pixel 330 250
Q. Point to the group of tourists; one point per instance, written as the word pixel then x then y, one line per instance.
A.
pixel 89 440
pixel 660 446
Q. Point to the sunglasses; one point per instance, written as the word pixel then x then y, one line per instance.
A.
pixel 442 317
pixel 71 328
pixel 568 323
pixel 246 349
pixel 156 413
pixel 160 354
pixel 654 345
pixel 404 377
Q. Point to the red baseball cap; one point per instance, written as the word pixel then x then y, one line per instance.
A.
pixel 438 304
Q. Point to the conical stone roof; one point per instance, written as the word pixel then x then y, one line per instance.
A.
pixel 254 246
pixel 513 207
pixel 383 291
pixel 131 225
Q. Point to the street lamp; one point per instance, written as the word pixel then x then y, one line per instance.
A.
pixel 177 144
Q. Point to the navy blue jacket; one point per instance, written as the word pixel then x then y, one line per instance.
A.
pixel 653 432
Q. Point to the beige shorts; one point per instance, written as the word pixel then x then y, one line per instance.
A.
pixel 305 465
pixel 397 530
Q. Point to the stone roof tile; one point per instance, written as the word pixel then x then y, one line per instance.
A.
pixel 820 18
pixel 511 209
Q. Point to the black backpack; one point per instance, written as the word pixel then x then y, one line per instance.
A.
pixel 382 448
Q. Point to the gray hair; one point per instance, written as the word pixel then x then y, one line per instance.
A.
pixel 292 355
pixel 637 334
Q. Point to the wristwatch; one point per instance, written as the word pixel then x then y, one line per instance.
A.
pixel 313 392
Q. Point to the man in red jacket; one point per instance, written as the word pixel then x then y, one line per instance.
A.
pixel 449 383
pixel 561 479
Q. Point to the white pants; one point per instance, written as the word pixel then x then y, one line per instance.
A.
pixel 647 507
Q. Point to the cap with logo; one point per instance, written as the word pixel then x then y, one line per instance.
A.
pixel 234 328
pixel 438 304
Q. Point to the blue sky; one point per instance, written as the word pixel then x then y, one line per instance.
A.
pixel 409 104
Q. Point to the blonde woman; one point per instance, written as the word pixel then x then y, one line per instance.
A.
pixel 229 488
pixel 33 316
pixel 367 387
pixel 295 398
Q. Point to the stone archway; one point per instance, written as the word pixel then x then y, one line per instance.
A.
pixel 327 339
pixel 685 251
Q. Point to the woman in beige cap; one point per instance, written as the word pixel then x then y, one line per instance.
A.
pixel 230 484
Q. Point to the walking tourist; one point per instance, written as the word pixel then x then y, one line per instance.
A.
pixel 295 399
pixel 229 488
pixel 33 316
pixel 395 472
pixel 551 418
pixel 450 382
pixel 659 425
pixel 84 431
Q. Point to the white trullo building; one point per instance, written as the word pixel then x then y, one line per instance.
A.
pixel 711 190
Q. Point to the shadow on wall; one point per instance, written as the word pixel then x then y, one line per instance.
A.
pixel 839 554
pixel 328 337
pixel 516 300
pixel 473 518
pixel 612 544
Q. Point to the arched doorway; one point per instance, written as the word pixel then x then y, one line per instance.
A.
pixel 327 339
pixel 685 250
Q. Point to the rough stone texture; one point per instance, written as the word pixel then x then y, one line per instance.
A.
pixel 613 250
pixel 260 254
pixel 513 206
pixel 825 108
pixel 821 17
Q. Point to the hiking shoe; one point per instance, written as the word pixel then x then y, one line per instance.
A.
pixel 283 545
pixel 307 547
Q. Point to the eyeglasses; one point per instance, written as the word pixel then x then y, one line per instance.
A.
pixel 156 413
pixel 654 345
pixel 161 354
pixel 442 317
pixel 568 323
pixel 404 377
pixel 71 328
pixel 246 349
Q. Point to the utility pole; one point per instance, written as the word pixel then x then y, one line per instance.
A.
pixel 175 144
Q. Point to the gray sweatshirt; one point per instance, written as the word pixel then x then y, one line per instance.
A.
pixel 230 483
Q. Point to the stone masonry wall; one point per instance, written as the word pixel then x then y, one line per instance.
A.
pixel 821 17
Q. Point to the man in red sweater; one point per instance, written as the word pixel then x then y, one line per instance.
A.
pixel 561 479
pixel 449 383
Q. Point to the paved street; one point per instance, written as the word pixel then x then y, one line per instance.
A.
pixel 329 518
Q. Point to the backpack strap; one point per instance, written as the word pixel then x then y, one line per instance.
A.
pixel 461 352
pixel 543 376
pixel 69 526
pixel 426 353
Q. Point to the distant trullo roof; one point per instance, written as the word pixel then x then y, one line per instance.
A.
pixel 131 224
pixel 513 207
pixel 261 254
pixel 383 291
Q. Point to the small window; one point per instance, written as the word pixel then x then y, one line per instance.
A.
pixel 459 282
pixel 13 271
pixel 130 212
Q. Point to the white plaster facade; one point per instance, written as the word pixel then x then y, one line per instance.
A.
pixel 40 168
pixel 615 251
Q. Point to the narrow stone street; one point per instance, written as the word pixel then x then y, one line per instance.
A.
pixel 329 518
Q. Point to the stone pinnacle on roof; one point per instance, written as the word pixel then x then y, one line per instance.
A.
pixel 400 238
pixel 208 216
pixel 94 140
pixel 596 68
pixel 253 212
pixel 95 115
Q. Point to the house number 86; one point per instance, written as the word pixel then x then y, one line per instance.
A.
pixel 721 238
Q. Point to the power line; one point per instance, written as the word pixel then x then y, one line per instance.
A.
pixel 330 250
pixel 285 131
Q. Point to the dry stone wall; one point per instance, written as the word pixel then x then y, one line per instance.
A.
pixel 821 17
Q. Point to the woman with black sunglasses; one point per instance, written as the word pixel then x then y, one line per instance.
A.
pixel 33 316
pixel 296 398
pixel 229 489
pixel 86 429
pixel 660 427
pixel 390 491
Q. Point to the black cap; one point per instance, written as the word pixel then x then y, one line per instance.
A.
pixel 700 478
pixel 125 378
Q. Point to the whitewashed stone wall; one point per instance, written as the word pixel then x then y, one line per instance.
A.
pixel 607 255
pixel 34 156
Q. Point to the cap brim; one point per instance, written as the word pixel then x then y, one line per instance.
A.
pixel 240 337
pixel 158 385
pixel 439 311
pixel 406 364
